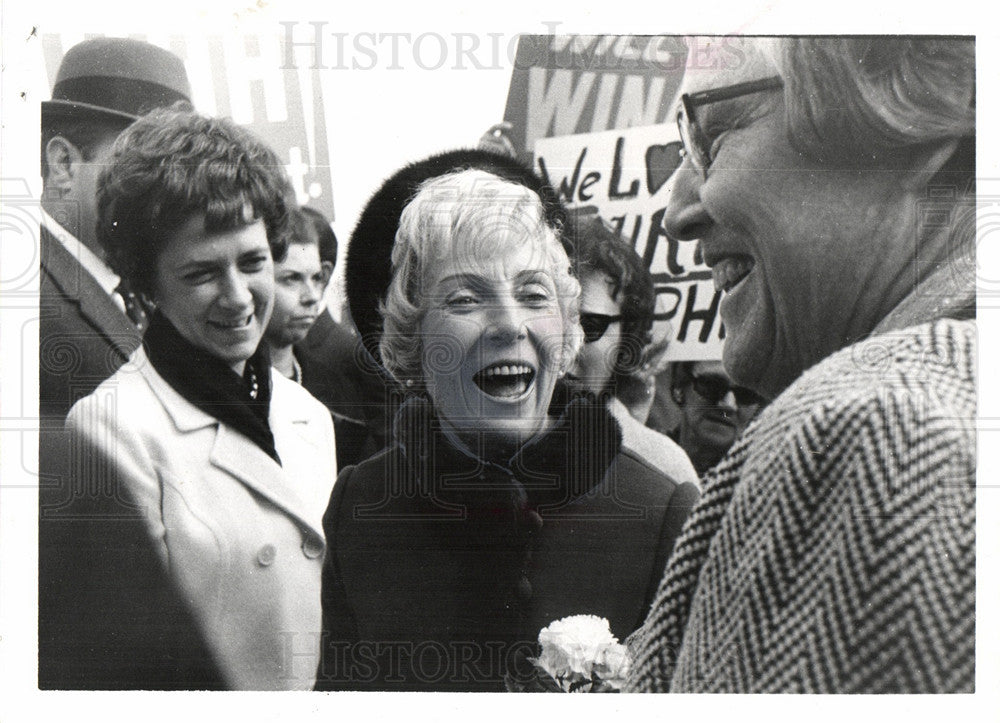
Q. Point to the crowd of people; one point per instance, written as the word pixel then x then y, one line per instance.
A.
pixel 238 491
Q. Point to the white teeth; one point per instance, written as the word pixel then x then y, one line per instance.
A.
pixel 234 324
pixel 506 370
pixel 729 271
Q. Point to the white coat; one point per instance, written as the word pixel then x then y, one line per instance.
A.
pixel 241 536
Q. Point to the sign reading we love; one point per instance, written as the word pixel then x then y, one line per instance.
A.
pixel 623 175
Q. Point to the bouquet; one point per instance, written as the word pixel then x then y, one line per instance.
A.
pixel 579 654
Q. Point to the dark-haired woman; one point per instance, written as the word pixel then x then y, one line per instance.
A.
pixel 228 464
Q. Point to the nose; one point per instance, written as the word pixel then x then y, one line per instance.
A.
pixel 311 294
pixel 685 218
pixel 235 291
pixel 507 322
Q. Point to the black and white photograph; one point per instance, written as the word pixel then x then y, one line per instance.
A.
pixel 365 361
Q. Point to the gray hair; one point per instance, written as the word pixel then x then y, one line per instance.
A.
pixel 487 216
pixel 869 98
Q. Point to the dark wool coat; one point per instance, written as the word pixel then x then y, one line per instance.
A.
pixel 443 568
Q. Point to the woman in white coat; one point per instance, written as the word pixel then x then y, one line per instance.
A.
pixel 228 465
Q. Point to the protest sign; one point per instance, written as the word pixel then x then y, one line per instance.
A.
pixel 624 175
pixel 593 114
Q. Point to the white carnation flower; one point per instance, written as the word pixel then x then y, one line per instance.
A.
pixel 580 652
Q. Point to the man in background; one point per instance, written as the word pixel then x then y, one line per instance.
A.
pixel 714 411
pixel 89 322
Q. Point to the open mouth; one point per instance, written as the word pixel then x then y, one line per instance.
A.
pixel 729 271
pixel 505 381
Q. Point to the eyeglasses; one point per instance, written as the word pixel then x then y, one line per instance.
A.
pixel 594 325
pixel 696 144
pixel 714 389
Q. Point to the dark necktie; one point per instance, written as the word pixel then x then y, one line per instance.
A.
pixel 133 307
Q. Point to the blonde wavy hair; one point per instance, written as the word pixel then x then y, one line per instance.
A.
pixel 482 215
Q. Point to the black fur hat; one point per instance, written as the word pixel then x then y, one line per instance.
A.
pixel 369 250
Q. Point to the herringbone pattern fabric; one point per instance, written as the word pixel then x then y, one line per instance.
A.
pixel 833 549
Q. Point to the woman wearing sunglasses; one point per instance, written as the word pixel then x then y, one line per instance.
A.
pixel 614 364
pixel 488 517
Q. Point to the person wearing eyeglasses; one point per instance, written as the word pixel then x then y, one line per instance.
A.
pixel 714 411
pixel 830 186
pixel 618 360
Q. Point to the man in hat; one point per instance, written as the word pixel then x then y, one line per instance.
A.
pixel 89 321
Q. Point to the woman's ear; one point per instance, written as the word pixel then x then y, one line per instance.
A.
pixel 63 159
pixel 677 395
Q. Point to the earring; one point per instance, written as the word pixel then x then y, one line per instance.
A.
pixel 677 395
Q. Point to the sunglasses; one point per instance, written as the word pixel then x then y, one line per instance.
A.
pixel 594 325
pixel 714 389
pixel 696 144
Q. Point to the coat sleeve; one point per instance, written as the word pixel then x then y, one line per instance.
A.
pixel 109 617
pixel 340 637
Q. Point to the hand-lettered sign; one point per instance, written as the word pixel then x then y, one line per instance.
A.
pixel 625 176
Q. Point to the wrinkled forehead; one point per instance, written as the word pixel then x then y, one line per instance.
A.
pixel 717 61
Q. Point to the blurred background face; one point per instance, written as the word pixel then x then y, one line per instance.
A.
pixel 595 364
pixel 217 289
pixel 492 338
pixel 299 282
pixel 714 413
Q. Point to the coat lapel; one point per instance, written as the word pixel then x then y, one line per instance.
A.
pixel 235 454
pixel 82 289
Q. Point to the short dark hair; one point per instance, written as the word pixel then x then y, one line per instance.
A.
pixel 311 226
pixel 85 131
pixel 598 247
pixel 172 164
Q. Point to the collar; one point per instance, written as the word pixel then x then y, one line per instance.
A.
pixel 567 461
pixel 101 272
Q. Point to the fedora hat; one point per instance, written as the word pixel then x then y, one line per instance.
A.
pixel 117 77
pixel 369 251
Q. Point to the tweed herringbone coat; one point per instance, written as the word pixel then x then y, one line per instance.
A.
pixel 833 549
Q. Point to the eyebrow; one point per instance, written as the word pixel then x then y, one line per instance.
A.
pixel 213 263
pixel 476 279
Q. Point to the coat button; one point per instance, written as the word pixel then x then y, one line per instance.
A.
pixel 312 547
pixel 266 555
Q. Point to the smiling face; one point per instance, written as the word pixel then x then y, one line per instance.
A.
pixel 595 363
pixel 492 338
pixel 809 257
pixel 217 289
pixel 299 282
